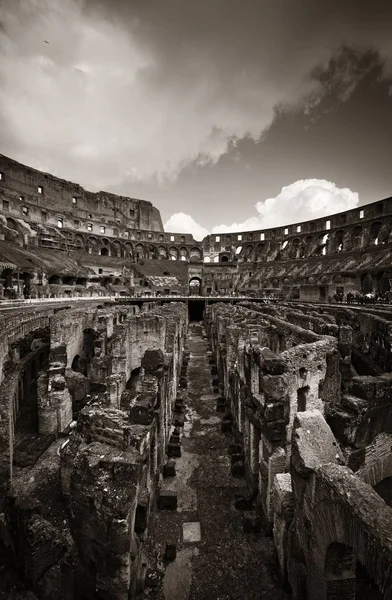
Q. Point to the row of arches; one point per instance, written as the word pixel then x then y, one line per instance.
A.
pixel 138 251
pixel 342 240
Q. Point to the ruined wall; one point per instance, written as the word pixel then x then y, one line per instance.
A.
pixel 270 370
pixel 41 198
pixel 76 520
pixel 279 396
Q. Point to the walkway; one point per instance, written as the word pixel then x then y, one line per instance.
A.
pixel 215 559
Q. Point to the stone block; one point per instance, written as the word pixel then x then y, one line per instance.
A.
pixel 250 522
pixel 243 503
pixel 236 458
pixel 167 500
pixel 235 449
pixel 170 551
pixel 174 439
pixel 191 532
pixel 226 425
pixel 221 405
pixel 173 450
pixel 271 363
pixel 238 469
pixel 169 469
pixel 179 420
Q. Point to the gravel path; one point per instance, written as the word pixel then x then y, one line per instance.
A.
pixel 223 563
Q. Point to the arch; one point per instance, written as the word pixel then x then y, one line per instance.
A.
pixel 367 283
pixel 195 254
pixel 338 240
pixel 116 249
pixel 339 572
pixel 54 279
pixel 104 251
pixel 139 251
pixel 162 252
pixel 356 236
pixel 207 259
pixel 173 253
pixel 195 285
pixel 128 249
pixel 224 258
pixel 184 253
pixel 12 224
pixel 78 240
pixel 75 366
pixel 375 230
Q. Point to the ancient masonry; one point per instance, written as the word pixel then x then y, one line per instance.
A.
pixel 149 450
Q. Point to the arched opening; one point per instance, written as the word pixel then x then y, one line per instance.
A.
pixel 339 572
pixel 356 237
pixel 375 233
pixel 367 283
pixel 224 258
pixel 162 252
pixel 195 254
pixel 54 279
pixel 339 240
pixel 104 251
pixel 76 364
pixel 173 253
pixel 195 286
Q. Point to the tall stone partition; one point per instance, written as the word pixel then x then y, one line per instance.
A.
pixel 271 370
pixel 338 521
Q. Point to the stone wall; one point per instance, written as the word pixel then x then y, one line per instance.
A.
pixel 284 385
pixel 76 522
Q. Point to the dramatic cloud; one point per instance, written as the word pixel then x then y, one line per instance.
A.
pixel 182 223
pixel 300 201
pixel 129 91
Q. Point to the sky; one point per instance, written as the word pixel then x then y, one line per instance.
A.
pixel 226 114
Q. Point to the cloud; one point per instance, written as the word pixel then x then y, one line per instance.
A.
pixel 126 91
pixel 300 201
pixel 182 223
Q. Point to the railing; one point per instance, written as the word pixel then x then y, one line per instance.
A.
pixel 64 299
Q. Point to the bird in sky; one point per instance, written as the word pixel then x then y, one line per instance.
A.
pixel 46 42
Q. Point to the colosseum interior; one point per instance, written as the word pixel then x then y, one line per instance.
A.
pixel 184 419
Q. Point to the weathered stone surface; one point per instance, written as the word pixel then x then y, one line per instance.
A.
pixel 167 500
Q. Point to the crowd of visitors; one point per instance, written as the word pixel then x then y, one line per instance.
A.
pixel 361 298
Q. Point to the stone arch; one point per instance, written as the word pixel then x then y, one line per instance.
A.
pixel 173 253
pixel 333 537
pixel 374 233
pixel 116 249
pixel 184 253
pixel 356 237
pixel 224 258
pixel 152 251
pixel 12 224
pixel 248 253
pixel 195 285
pixel 79 240
pixel 195 254
pixel 128 249
pixel 162 252
pixel 367 284
pixel 338 240
pixel 339 572
pixel 139 251
pixel 92 244
pixel 104 251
